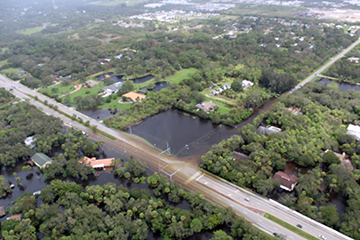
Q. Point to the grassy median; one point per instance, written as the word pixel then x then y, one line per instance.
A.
pixel 292 228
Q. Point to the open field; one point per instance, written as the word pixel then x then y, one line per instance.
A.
pixel 180 75
pixel 265 10
pixel 28 31
pixel 62 89
pixel 117 2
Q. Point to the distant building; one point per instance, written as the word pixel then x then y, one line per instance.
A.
pixel 207 106
pixel 226 86
pixel 267 130
pixel 354 130
pixel 106 60
pixel 98 163
pixel 41 160
pixel 134 96
pixel 287 181
pixel 92 83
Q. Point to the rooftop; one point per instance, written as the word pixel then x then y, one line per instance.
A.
pixel 287 181
pixel 98 163
pixel 41 160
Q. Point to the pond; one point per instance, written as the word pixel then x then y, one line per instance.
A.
pixel 97 113
pixel 185 134
pixel 158 87
pixel 342 85
pixel 116 78
pixel 143 79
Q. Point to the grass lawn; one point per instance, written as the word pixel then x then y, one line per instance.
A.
pixel 180 75
pixel 223 109
pixel 2 63
pixel 117 2
pixel 62 89
pixel 28 31
pixel 290 227
pixel 10 70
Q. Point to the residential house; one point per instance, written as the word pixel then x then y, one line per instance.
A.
pixel 354 130
pixel 30 141
pixel 92 83
pixel 287 181
pixel 134 96
pixel 247 83
pixel 98 163
pixel 226 86
pixel 103 61
pixel 16 217
pixel 207 106
pixel 113 88
pixel 41 160
pixel 267 130
pixel 354 59
pixel 344 161
pixel 294 111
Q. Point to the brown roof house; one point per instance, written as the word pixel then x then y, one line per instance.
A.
pixel 207 106
pixel 41 160
pixel 287 181
pixel 344 161
pixel 99 163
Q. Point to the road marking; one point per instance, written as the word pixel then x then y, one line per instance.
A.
pixel 193 177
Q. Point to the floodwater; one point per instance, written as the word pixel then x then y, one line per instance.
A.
pixel 342 85
pixel 158 87
pixel 187 135
pixel 98 113
pixel 143 79
pixel 117 78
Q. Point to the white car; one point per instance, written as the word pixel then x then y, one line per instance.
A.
pixel 322 237
pixel 247 199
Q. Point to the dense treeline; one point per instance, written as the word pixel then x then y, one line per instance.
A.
pixel 114 212
pixel 5 96
pixel 19 122
pixel 303 139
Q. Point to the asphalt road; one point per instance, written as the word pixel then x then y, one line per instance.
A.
pixel 325 66
pixel 186 173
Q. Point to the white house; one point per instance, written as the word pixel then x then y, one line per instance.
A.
pixel 354 130
pixel 247 83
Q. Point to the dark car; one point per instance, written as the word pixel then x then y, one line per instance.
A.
pixel 299 226
pixel 276 235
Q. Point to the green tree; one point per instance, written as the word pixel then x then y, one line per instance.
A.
pixel 221 235
pixel 236 85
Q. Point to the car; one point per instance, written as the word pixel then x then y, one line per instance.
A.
pixel 322 236
pixel 276 234
pixel 299 225
pixel 247 199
